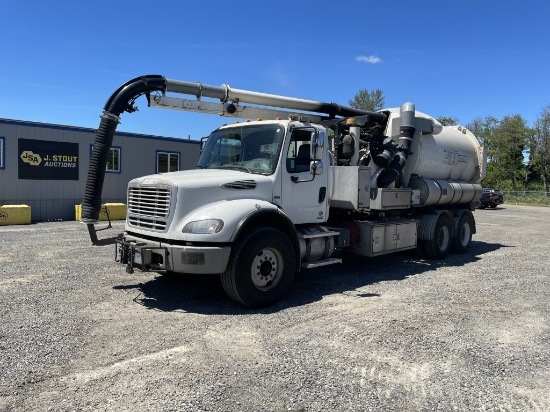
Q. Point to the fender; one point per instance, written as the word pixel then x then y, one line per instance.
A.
pixel 285 224
pixel 272 216
pixel 234 214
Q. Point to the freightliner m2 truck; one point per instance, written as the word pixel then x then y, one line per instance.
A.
pixel 296 184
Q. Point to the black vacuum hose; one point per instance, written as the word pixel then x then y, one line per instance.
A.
pixel 406 134
pixel 400 159
pixel 121 101
pixel 91 202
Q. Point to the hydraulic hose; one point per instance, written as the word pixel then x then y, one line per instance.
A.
pixel 406 134
pixel 122 100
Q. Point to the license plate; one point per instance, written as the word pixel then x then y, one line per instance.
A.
pixel 137 257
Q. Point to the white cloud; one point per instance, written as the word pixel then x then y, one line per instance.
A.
pixel 369 59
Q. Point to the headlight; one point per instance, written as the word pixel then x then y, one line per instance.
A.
pixel 204 226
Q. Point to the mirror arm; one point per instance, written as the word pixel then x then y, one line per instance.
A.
pixel 296 179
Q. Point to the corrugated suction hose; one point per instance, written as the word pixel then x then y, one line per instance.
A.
pixel 91 202
pixel 122 100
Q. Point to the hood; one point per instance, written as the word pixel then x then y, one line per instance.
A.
pixel 182 195
pixel 205 178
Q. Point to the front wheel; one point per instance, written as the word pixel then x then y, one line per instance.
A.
pixel 261 269
pixel 440 244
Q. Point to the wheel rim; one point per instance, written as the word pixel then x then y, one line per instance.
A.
pixel 465 234
pixel 267 269
pixel 444 238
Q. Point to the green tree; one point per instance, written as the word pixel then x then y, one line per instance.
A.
pixel 483 128
pixel 447 121
pixel 540 146
pixel 369 101
pixel 507 143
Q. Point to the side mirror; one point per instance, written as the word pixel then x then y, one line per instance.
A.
pixel 317 145
pixel 317 167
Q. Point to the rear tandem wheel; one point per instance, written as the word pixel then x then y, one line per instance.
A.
pixel 463 238
pixel 440 244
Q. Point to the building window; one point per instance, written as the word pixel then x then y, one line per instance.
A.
pixel 2 139
pixel 113 160
pixel 168 162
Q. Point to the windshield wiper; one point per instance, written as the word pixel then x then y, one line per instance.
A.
pixel 235 166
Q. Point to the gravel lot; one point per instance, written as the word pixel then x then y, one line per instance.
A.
pixel 391 333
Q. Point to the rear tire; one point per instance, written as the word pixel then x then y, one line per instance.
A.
pixel 261 269
pixel 463 237
pixel 440 245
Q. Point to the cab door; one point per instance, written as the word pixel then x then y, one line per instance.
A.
pixel 304 193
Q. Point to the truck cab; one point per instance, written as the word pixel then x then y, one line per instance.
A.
pixel 251 177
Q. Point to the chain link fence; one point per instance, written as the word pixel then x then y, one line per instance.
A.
pixel 526 197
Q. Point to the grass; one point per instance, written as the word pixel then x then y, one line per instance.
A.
pixel 531 198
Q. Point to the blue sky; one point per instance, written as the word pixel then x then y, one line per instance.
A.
pixel 61 60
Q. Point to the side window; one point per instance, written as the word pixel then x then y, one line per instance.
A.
pixel 298 155
pixel 113 160
pixel 168 162
pixel 2 139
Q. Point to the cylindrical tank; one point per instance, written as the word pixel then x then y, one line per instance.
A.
pixel 314 244
pixel 444 192
pixel 447 153
pixel 445 163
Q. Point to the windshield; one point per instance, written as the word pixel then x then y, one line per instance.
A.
pixel 252 149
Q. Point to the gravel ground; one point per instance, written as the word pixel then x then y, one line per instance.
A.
pixel 390 333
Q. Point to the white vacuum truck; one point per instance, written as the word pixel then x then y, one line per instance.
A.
pixel 299 189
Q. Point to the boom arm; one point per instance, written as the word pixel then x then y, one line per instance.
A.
pixel 123 100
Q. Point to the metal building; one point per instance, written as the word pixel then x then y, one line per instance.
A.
pixel 45 165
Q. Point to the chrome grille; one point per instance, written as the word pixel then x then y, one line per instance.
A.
pixel 147 223
pixel 148 205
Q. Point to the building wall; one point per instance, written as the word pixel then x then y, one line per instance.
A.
pixel 55 199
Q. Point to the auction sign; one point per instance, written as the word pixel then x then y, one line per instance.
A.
pixel 45 160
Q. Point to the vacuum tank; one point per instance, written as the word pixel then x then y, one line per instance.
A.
pixel 446 164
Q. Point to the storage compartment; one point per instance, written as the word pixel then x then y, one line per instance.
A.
pixel 379 238
pixel 351 187
pixel 381 199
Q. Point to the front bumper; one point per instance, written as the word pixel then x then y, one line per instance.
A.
pixel 160 257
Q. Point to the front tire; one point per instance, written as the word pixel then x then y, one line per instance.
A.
pixel 440 245
pixel 261 269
